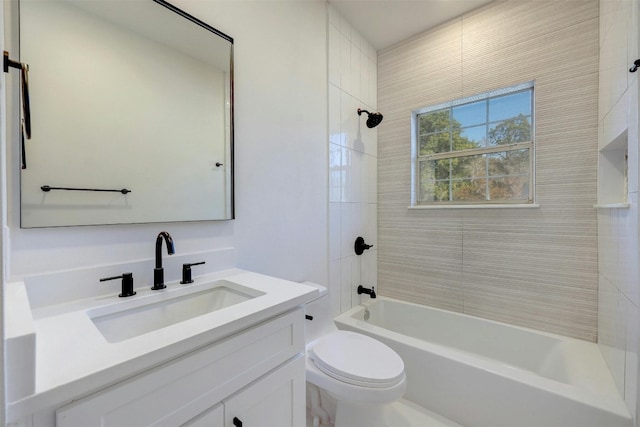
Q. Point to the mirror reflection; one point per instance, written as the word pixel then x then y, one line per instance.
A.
pixel 133 95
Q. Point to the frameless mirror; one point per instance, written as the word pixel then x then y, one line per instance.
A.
pixel 131 98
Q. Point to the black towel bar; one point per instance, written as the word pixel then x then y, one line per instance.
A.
pixel 47 188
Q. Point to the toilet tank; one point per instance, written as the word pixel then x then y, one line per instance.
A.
pixel 320 310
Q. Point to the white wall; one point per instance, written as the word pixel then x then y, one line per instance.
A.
pixel 352 162
pixel 618 253
pixel 280 155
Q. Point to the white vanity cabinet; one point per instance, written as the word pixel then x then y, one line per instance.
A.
pixel 213 417
pixel 255 376
pixel 277 400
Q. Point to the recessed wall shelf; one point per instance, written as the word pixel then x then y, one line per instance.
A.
pixel 612 173
pixel 613 206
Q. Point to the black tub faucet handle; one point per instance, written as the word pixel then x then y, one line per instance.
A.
pixel 360 246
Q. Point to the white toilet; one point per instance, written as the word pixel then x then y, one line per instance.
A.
pixel 362 374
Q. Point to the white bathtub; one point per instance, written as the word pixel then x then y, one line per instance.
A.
pixel 481 373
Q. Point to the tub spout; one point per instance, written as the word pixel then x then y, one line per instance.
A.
pixel 371 292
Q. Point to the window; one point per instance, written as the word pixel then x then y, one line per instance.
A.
pixel 477 150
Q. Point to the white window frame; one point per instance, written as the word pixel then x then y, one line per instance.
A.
pixel 416 158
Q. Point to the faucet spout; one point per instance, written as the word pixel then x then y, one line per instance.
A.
pixel 362 290
pixel 158 272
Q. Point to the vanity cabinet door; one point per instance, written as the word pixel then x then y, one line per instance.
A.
pixel 213 417
pixel 275 400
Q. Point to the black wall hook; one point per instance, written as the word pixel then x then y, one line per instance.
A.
pixel 636 64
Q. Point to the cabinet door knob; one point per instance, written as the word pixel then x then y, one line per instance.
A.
pixel 237 422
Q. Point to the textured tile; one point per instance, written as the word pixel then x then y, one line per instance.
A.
pixel 520 302
pixel 566 53
pixel 430 52
pixel 531 267
pixel 512 23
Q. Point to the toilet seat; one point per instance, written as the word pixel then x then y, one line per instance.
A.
pixel 358 360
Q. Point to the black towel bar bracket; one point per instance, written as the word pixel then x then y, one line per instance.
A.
pixel 26 104
pixel 47 188
pixel 10 63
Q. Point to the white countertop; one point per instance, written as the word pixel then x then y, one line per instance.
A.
pixel 73 358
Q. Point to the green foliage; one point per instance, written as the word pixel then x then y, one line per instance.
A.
pixel 517 129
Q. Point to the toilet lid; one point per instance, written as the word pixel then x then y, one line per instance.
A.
pixel 357 359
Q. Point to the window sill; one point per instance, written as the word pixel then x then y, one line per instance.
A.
pixel 488 206
pixel 613 206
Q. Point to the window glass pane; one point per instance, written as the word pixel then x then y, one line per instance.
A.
pixel 516 129
pixel 476 127
pixel 434 191
pixel 472 137
pixel 427 191
pixel 427 171
pixel 434 180
pixel 434 169
pixel 435 143
pixel 470 114
pixel 509 163
pixel 441 191
pixel 441 168
pixel 507 106
pixel 469 190
pixel 436 121
pixel 509 188
pixel 468 167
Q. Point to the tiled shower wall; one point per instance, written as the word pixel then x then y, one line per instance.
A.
pixel 535 267
pixel 352 161
pixel 619 293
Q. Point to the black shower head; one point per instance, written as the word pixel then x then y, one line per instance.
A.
pixel 373 120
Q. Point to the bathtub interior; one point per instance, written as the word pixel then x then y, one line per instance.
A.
pixel 554 357
pixel 481 373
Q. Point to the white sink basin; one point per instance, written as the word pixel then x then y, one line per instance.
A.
pixel 126 323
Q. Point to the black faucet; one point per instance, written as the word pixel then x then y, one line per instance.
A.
pixel 158 272
pixel 362 290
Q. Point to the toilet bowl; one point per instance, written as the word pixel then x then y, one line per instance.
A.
pixel 362 374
